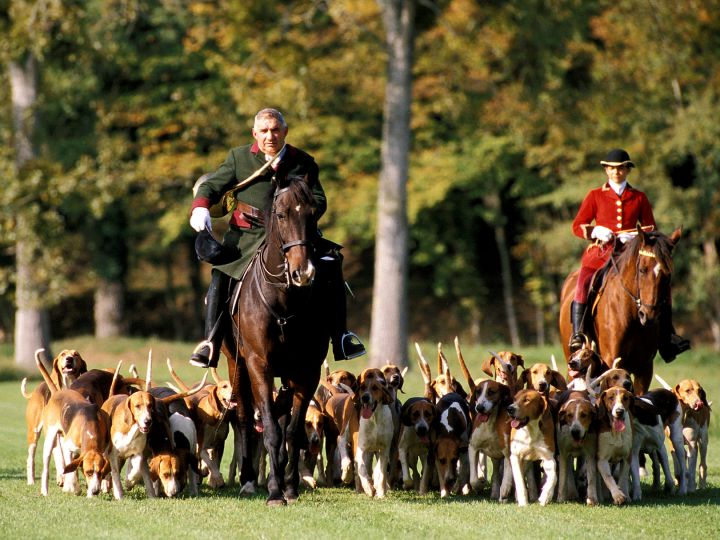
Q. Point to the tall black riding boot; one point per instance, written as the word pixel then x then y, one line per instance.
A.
pixel 346 345
pixel 207 352
pixel 577 314
pixel 670 344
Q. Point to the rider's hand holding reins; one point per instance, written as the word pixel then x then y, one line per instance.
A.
pixel 200 219
pixel 600 233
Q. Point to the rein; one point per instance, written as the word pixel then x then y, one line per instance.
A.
pixel 260 268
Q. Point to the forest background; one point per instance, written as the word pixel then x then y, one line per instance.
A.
pixel 514 103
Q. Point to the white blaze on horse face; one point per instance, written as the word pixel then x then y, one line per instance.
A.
pixel 657 269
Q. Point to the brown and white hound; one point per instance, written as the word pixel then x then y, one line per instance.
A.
pixel 615 440
pixel 532 438
pixel 503 367
pixel 82 430
pixel 365 421
pixel 576 438
pixel 695 423
pixel 67 366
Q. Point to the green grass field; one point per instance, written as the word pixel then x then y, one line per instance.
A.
pixel 330 513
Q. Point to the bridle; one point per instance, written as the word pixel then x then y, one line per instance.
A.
pixel 636 298
pixel 280 280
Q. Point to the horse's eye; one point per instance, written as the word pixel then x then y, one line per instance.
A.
pixel 281 215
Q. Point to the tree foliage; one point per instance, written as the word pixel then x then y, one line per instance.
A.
pixel 514 104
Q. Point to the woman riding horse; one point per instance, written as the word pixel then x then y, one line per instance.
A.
pixel 616 208
pixel 241 185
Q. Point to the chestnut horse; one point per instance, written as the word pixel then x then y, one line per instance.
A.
pixel 278 332
pixel 636 287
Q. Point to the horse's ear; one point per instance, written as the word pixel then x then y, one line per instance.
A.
pixel 641 234
pixel 675 236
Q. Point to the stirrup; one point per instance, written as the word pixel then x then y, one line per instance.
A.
pixel 352 350
pixel 577 341
pixel 200 360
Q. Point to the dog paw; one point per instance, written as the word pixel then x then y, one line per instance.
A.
pixel 309 482
pixel 247 489
pixel 619 499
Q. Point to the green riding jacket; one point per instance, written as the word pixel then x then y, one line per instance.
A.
pixel 240 163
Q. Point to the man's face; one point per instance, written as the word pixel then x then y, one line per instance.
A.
pixel 617 174
pixel 269 134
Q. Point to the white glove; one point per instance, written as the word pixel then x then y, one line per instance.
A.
pixel 200 219
pixel 601 233
pixel 624 237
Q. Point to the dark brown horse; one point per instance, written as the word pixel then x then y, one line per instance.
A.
pixel 636 287
pixel 278 332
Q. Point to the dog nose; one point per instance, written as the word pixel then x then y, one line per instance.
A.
pixel 511 408
pixel 421 430
pixel 627 385
pixel 576 433
pixel 542 386
pixel 365 398
pixel 619 412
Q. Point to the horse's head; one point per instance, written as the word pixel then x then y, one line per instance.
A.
pixel 293 225
pixel 646 266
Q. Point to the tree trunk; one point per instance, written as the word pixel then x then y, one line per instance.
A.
pixel 711 266
pixel 506 275
pixel 32 327
pixel 389 327
pixel 109 309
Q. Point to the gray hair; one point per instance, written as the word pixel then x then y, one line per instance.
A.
pixel 271 113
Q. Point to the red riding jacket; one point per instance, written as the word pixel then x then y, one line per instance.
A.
pixel 617 213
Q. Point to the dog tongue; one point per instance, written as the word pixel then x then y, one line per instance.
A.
pixel 698 406
pixel 515 423
pixel 573 373
pixel 618 425
pixel 483 417
pixel 366 411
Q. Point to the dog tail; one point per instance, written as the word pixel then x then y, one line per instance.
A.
pixel 184 387
pixel 426 374
pixel 663 382
pixel 23 388
pixel 463 366
pixel 46 376
pixel 114 379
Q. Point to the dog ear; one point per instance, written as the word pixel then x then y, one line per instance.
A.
pixel 562 415
pixel 405 419
pixel 703 396
pixel 387 398
pixel 82 364
pixel 602 410
pixel 107 468
pixel 459 390
pixel 523 378
pixel 520 361
pixel 557 380
pixel 56 370
pixel 73 465
pixel 487 366
pixel 506 397
pixel 154 473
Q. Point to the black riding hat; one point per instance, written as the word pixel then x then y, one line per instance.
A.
pixel 209 250
pixel 617 157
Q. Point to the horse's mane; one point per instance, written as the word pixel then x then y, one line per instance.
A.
pixel 656 242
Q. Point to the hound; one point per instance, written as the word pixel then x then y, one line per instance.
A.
pixel 695 422
pixel 490 433
pixel 82 430
pixel 503 367
pixel 576 438
pixel 417 418
pixel 448 454
pixel 66 366
pixel 615 439
pixel 532 438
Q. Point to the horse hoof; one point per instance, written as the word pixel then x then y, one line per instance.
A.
pixel 276 502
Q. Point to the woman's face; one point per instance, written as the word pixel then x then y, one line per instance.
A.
pixel 617 174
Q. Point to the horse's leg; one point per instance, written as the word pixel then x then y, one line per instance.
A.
pixel 642 379
pixel 261 382
pixel 295 439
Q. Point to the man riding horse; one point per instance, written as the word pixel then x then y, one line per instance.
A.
pixel 243 185
pixel 616 208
